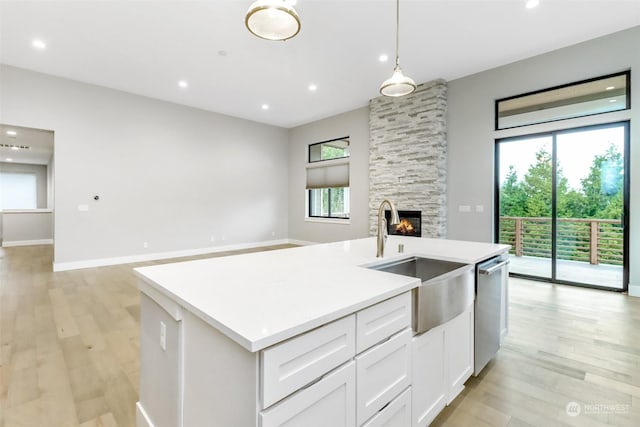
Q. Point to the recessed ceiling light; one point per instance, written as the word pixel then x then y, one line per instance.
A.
pixel 183 83
pixel 38 44
pixel 532 3
pixel 12 133
pixel 611 87
pixel 9 159
pixel 383 58
pixel 265 106
pixel 313 87
pixel 292 2
pixel 612 100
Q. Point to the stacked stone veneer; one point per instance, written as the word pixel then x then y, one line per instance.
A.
pixel 408 155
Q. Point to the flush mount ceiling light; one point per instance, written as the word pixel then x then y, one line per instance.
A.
pixel 12 133
pixel 272 20
pixel 398 84
pixel 532 4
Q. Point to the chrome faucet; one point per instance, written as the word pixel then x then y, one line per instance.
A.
pixel 382 225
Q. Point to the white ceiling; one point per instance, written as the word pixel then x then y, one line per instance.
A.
pixel 40 143
pixel 145 47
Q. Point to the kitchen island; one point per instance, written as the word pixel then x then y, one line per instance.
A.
pixel 254 339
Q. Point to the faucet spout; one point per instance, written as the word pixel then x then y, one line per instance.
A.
pixel 382 225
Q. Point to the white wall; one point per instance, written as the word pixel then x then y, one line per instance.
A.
pixel 28 227
pixel 354 124
pixel 166 174
pixel 471 132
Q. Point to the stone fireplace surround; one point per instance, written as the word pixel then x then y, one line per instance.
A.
pixel 408 155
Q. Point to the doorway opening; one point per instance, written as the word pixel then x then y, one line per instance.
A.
pixel 562 203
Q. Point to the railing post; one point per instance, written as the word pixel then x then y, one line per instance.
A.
pixel 593 242
pixel 518 233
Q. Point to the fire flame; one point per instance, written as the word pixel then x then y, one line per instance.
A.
pixel 404 227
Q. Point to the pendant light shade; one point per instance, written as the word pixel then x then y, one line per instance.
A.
pixel 398 84
pixel 272 20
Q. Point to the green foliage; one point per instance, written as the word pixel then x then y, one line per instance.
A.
pixel 599 196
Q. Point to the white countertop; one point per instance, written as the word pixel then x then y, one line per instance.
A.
pixel 260 299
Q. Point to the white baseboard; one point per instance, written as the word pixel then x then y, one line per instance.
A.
pixel 142 420
pixel 90 263
pixel 634 290
pixel 27 242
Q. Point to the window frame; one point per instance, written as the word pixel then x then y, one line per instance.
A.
pixel 311 164
pixel 626 74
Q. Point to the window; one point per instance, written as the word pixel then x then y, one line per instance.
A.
pixel 588 97
pixel 18 191
pixel 328 179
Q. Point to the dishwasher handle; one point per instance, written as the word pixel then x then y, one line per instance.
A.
pixel 495 267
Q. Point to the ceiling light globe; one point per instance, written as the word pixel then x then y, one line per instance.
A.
pixel 272 20
pixel 398 84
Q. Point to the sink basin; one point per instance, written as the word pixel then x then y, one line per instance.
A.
pixel 447 289
pixel 423 268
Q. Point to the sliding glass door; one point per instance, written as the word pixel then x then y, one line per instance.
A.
pixel 562 201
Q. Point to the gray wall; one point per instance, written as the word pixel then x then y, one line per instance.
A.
pixel 166 174
pixel 354 124
pixel 471 122
pixel 41 174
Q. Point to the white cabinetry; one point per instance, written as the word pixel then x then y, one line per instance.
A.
pixel 295 363
pixel 329 402
pixel 442 362
pixel 458 348
pixel 318 379
pixel 428 390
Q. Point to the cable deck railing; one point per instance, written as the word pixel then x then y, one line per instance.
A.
pixel 596 241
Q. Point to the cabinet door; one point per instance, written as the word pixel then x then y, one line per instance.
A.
pixel 383 372
pixel 458 344
pixel 329 402
pixel 288 366
pixel 428 390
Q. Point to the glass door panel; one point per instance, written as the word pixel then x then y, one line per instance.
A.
pixel 589 204
pixel 525 174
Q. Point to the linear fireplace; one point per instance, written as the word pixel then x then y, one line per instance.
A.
pixel 410 223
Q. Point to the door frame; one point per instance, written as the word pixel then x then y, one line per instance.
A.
pixel 626 124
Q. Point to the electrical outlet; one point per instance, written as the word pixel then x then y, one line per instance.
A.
pixel 145 245
pixel 479 208
pixel 273 234
pixel 224 237
pixel 213 238
pixel 163 336
pixel 464 208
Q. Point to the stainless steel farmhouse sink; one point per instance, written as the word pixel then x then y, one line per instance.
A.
pixel 447 289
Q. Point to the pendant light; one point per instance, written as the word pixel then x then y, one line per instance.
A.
pixel 272 20
pixel 398 84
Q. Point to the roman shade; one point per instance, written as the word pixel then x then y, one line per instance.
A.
pixel 333 175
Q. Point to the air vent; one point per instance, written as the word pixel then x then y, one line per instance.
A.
pixel 15 147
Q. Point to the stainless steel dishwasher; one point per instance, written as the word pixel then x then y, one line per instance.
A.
pixel 488 307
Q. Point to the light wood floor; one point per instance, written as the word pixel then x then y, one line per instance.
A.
pixel 69 352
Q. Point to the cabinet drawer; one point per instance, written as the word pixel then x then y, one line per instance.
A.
pixel 377 323
pixel 382 373
pixel 329 402
pixel 397 414
pixel 295 363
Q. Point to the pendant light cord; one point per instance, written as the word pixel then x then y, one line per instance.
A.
pixel 397 32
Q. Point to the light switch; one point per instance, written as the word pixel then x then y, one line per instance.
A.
pixel 464 208
pixel 83 208
pixel 479 208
